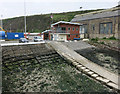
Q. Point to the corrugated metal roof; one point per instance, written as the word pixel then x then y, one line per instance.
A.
pixel 95 15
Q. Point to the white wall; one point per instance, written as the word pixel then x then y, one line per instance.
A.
pixel 62 37
pixel 59 37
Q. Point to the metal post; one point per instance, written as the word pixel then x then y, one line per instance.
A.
pixel 25 15
pixel 10 27
pixel 1 21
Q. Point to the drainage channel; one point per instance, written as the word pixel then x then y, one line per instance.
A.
pixel 39 68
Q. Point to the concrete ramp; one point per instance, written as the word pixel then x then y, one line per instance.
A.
pixel 94 70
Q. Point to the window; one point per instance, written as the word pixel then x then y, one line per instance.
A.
pixel 119 26
pixel 76 29
pixel 85 28
pixel 63 28
pixel 106 28
pixel 69 28
pixel 81 29
pixel 68 35
pixel 73 28
pixel 93 27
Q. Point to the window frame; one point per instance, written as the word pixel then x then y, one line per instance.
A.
pixel 69 28
pixel 73 28
pixel 105 26
pixel 77 29
pixel 63 29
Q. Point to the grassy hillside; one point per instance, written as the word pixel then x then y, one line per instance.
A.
pixel 39 23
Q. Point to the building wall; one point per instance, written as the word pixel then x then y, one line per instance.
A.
pixel 74 30
pixel 94 27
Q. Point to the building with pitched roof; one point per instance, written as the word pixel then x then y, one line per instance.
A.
pixel 104 23
pixel 62 31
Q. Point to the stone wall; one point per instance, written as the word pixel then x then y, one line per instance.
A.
pixel 96 22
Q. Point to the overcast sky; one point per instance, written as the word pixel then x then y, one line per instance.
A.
pixel 15 8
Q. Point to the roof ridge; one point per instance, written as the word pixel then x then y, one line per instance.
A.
pixel 101 11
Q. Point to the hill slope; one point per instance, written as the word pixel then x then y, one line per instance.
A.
pixel 39 23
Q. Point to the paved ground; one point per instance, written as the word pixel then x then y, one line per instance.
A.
pixel 15 41
pixel 78 45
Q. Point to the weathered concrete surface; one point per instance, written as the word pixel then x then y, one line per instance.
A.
pixel 78 45
pixel 104 57
pixel 62 49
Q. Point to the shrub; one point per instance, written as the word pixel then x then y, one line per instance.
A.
pixel 112 38
pixel 95 39
pixel 102 42
pixel 104 38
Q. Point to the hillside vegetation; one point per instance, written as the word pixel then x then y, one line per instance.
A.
pixel 39 23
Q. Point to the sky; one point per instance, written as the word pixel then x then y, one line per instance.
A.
pixel 15 8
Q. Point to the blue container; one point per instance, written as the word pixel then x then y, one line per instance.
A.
pixel 76 38
pixel 2 37
pixel 14 35
pixel 2 34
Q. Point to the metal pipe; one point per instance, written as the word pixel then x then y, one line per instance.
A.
pixel 25 15
pixel 1 21
pixel 10 27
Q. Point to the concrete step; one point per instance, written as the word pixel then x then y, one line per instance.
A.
pixel 102 79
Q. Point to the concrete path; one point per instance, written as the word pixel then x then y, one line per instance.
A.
pixel 63 50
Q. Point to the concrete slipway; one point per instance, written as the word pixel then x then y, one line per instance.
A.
pixel 90 68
